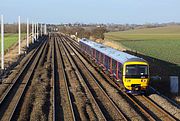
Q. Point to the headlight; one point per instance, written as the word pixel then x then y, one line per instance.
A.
pixel 128 80
pixel 143 80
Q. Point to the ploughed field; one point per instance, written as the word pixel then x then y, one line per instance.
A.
pixel 162 42
pixel 56 81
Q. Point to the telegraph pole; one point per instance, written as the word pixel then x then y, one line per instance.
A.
pixel 27 33
pixel 32 32
pixel 19 35
pixel 2 43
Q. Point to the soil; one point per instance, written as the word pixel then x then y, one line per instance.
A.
pixel 12 53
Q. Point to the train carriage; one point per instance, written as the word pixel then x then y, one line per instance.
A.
pixel 131 70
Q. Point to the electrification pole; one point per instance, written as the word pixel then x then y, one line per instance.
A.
pixel 19 35
pixel 41 29
pixel 37 31
pixel 2 43
pixel 32 32
pixel 45 31
pixel 27 33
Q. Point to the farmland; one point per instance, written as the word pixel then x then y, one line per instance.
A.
pixel 162 43
pixel 10 39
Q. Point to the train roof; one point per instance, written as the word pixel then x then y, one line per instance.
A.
pixel 120 56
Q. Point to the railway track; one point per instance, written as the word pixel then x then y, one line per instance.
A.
pixel 11 99
pixel 53 92
pixel 95 106
pixel 62 86
pixel 77 92
pixel 108 107
pixel 151 110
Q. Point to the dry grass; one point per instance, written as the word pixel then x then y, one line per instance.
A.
pixel 12 54
pixel 114 45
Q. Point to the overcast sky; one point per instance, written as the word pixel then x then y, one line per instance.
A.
pixel 92 11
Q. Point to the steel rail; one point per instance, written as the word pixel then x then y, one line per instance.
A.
pixel 146 112
pixel 60 63
pixel 139 107
pixel 85 85
pixel 89 73
pixel 53 80
pixel 21 88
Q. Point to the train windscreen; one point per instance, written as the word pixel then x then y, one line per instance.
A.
pixel 136 71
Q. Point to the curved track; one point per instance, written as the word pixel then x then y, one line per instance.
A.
pixel 79 89
pixel 153 109
pixel 108 107
pixel 100 115
pixel 148 108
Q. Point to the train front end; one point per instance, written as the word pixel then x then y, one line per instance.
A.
pixel 136 76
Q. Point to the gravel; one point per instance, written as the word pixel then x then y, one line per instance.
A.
pixel 117 98
pixel 84 107
pixel 166 105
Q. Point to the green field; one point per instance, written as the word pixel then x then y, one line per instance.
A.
pixel 10 39
pixel 162 42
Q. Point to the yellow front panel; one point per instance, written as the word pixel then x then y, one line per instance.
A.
pixel 128 82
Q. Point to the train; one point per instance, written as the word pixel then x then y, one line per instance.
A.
pixel 131 71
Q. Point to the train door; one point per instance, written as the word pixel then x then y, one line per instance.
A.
pixel 114 67
pixel 91 49
pixel 110 66
pixel 100 59
pixel 97 56
pixel 94 54
pixel 120 70
pixel 106 62
pixel 88 50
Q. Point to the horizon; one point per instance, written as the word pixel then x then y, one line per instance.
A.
pixel 91 11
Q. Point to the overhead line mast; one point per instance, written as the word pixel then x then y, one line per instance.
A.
pixel 27 33
pixel 2 43
pixel 32 32
pixel 19 35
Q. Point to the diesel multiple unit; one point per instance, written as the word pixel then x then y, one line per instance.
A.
pixel 131 70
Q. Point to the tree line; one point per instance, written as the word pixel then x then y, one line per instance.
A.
pixel 84 32
pixel 13 28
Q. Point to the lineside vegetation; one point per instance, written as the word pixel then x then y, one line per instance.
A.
pixel 10 39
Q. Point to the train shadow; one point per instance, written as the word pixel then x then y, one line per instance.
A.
pixel 162 70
